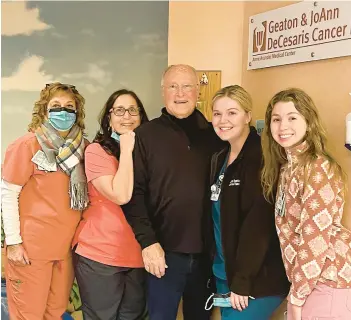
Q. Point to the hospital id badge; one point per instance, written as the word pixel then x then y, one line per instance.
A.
pixel 280 205
pixel 215 192
pixel 43 163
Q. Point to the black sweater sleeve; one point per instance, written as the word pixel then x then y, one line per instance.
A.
pixel 136 211
pixel 255 233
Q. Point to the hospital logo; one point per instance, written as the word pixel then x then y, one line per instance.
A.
pixel 260 37
pixel 234 182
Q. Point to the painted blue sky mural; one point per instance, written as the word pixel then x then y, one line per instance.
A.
pixel 99 46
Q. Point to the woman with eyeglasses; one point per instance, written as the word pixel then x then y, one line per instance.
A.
pixel 44 190
pixel 108 262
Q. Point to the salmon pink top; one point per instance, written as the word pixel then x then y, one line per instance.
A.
pixel 104 234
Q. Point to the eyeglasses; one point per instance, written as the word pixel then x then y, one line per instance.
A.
pixel 184 87
pixel 120 111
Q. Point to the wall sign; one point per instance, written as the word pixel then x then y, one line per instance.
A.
pixel 304 31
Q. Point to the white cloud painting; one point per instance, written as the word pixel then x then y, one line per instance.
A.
pixel 98 46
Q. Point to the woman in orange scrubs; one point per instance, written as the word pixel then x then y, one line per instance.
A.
pixel 44 190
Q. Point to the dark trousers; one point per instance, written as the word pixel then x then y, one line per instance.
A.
pixel 108 292
pixel 185 277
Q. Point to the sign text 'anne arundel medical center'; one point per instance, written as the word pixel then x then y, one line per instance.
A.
pixel 305 31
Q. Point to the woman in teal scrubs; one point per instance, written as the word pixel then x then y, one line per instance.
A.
pixel 247 263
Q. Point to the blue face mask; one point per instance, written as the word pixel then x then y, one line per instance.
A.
pixel 221 300
pixel 62 119
pixel 115 135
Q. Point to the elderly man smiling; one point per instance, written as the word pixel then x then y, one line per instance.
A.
pixel 171 163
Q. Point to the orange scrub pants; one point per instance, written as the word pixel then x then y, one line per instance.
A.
pixel 39 291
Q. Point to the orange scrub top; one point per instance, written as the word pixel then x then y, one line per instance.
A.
pixel 104 234
pixel 47 222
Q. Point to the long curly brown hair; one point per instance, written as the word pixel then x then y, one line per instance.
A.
pixel 39 113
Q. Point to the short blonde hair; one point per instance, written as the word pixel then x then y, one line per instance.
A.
pixel 50 90
pixel 236 93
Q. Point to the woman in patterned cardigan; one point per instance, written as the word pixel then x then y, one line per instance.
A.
pixel 315 246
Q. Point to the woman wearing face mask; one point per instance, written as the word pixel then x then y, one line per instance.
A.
pixel 108 262
pixel 248 267
pixel 315 246
pixel 44 190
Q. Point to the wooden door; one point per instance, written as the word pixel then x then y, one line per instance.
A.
pixel 210 83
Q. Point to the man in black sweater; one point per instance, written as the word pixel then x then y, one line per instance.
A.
pixel 171 172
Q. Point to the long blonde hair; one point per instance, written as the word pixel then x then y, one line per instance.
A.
pixel 274 155
pixel 50 90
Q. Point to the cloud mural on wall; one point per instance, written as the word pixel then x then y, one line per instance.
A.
pixel 17 19
pixel 32 68
pixel 29 76
pixel 88 32
pixel 98 46
pixel 113 45
pixel 95 72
